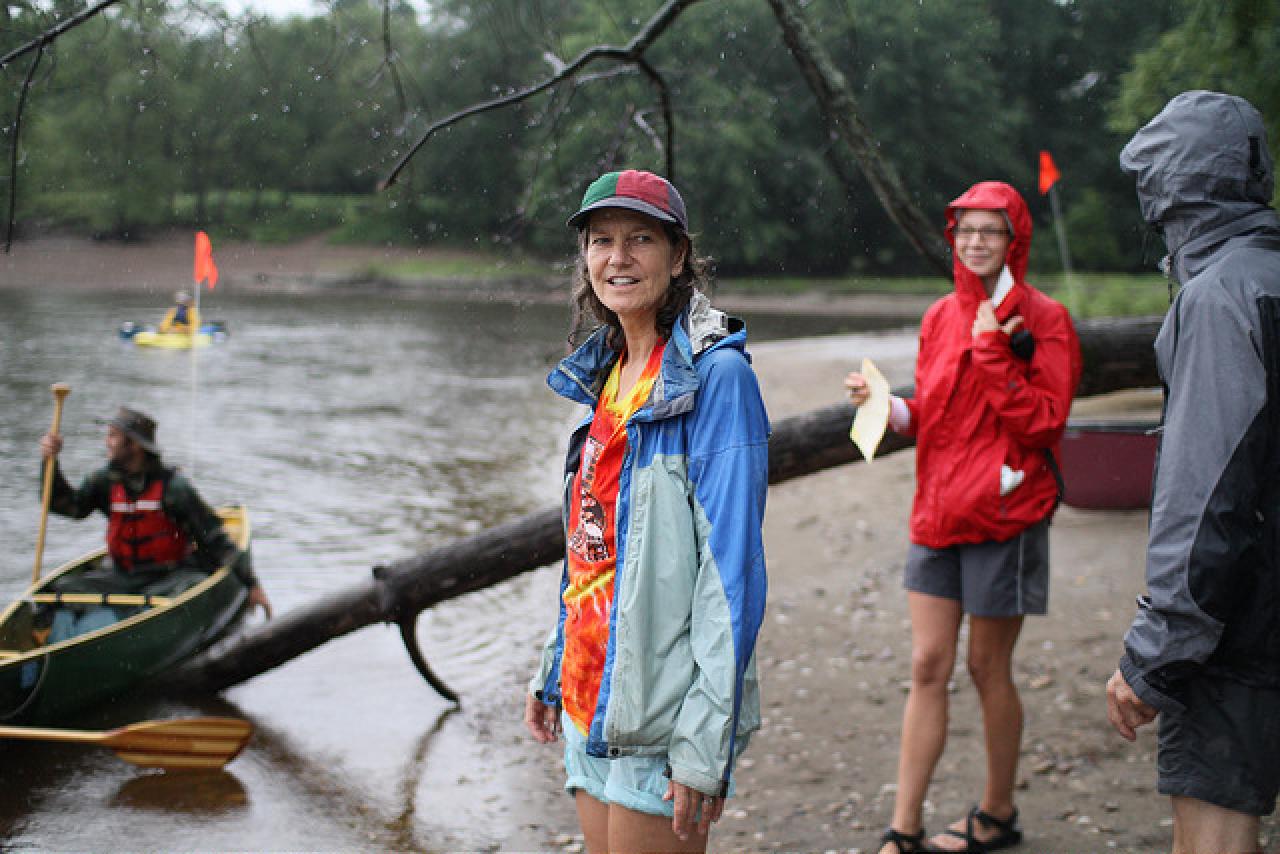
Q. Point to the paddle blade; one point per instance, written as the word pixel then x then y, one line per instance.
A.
pixel 182 743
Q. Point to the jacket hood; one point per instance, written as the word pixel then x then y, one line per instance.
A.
pixel 1200 164
pixel 990 196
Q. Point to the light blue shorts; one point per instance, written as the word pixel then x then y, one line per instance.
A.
pixel 635 782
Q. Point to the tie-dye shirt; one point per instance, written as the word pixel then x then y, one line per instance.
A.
pixel 592 548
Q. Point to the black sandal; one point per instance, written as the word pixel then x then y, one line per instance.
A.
pixel 1008 833
pixel 906 843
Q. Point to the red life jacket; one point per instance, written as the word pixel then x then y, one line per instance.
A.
pixel 139 532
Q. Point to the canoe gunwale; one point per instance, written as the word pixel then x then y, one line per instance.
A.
pixel 151 612
pixel 188 623
pixel 1145 426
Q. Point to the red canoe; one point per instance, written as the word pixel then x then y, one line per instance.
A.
pixel 1108 464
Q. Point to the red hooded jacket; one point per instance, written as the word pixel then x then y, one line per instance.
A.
pixel 977 406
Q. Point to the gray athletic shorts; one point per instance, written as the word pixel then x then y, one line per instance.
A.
pixel 1006 579
pixel 1224 748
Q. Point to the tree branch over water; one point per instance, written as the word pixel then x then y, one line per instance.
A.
pixel 50 35
pixel 840 109
pixel 631 54
pixel 37 44
pixel 13 152
pixel 835 99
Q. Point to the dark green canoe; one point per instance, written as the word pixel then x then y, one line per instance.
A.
pixel 42 683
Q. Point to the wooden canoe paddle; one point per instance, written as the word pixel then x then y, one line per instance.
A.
pixel 183 743
pixel 60 392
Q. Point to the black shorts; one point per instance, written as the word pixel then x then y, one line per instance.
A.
pixel 1005 579
pixel 1224 749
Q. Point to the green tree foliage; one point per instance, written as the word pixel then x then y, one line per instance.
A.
pixel 158 113
pixel 1231 46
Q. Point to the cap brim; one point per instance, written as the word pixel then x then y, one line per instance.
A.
pixel 580 218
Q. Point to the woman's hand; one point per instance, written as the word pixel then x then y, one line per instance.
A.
pixel 687 801
pixel 986 320
pixel 857 387
pixel 542 721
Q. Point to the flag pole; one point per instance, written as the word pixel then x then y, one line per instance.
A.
pixel 203 270
pixel 195 323
pixel 1073 296
pixel 1049 176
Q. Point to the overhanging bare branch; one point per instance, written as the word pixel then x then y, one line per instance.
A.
pixel 13 154
pixel 632 53
pixel 840 110
pixel 38 45
pixel 664 98
pixel 49 36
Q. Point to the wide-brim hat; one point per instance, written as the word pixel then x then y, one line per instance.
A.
pixel 634 190
pixel 138 427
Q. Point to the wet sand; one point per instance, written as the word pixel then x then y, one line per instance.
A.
pixel 834 653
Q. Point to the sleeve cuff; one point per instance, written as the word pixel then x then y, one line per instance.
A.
pixel 1145 691
pixel 243 568
pixel 899 414
pixel 687 776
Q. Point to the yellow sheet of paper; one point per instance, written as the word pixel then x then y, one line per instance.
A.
pixel 873 416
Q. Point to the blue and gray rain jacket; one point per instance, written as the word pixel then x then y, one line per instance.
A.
pixel 689 592
pixel 1205 178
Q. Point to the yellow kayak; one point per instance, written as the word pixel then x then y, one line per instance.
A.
pixel 172 340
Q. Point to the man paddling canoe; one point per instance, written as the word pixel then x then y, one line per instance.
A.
pixel 161 536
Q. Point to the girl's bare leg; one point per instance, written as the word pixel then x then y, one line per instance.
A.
pixel 935 626
pixel 990 662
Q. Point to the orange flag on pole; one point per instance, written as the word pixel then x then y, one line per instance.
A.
pixel 1049 173
pixel 204 267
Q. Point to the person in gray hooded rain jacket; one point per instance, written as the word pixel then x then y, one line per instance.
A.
pixel 1203 652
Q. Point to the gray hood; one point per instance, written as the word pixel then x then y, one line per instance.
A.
pixel 1200 165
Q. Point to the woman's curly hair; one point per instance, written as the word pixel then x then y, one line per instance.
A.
pixel 589 314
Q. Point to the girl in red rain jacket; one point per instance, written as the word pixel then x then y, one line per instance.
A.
pixel 997 367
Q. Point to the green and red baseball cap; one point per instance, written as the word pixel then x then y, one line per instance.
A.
pixel 634 190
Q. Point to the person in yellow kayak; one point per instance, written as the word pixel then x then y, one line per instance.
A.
pixel 183 317
pixel 161 536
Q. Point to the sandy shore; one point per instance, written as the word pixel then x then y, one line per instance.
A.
pixel 834 654
pixel 834 659
pixel 162 266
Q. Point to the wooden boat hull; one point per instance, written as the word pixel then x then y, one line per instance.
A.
pixel 1108 464
pixel 41 684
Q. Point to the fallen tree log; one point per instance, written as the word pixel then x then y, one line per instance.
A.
pixel 1117 354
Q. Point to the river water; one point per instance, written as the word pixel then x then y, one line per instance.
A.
pixel 358 430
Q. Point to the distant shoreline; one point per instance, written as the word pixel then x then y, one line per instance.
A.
pixel 164 266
